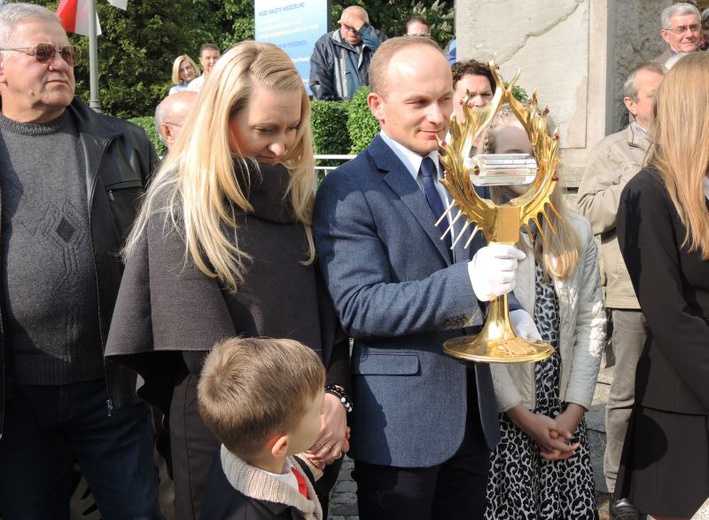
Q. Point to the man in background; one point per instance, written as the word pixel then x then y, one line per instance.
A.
pixel 681 29
pixel 418 26
pixel 171 114
pixel 340 62
pixel 208 56
pixel 612 163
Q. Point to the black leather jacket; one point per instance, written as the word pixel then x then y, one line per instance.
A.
pixel 119 161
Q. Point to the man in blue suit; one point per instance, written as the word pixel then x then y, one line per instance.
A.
pixel 423 423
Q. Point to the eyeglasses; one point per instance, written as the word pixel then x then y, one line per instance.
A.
pixel 695 28
pixel 347 28
pixel 45 52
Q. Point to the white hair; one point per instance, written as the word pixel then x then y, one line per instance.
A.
pixel 12 15
pixel 677 10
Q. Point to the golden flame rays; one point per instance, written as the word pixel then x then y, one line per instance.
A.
pixel 535 203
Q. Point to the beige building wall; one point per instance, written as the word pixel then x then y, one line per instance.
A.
pixel 574 53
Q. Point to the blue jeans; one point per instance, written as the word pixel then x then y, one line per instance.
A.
pixel 49 428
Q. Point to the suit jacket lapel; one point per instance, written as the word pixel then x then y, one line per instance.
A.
pixel 397 177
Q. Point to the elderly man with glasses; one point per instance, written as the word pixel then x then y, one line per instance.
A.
pixel 70 180
pixel 340 62
pixel 681 29
pixel 171 114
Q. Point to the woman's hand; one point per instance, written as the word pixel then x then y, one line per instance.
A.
pixel 333 440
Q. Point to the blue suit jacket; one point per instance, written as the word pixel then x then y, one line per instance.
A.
pixel 399 295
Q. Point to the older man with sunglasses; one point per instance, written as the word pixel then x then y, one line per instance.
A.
pixel 340 61
pixel 69 183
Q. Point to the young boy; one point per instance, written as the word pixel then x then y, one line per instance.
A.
pixel 263 399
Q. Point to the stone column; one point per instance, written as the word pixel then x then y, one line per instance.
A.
pixel 575 53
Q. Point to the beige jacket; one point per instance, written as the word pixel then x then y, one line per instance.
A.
pixel 611 164
pixel 582 330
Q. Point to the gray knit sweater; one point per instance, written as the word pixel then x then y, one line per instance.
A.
pixel 49 300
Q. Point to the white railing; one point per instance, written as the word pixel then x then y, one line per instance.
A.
pixel 326 169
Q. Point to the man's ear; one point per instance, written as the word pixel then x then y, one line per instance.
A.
pixel 2 69
pixel 665 35
pixel 166 133
pixel 376 106
pixel 630 105
pixel 279 448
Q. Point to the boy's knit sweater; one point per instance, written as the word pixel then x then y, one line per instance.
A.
pixel 237 490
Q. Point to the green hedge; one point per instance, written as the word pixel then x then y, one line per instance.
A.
pixel 329 122
pixel 361 124
pixel 148 123
pixel 343 127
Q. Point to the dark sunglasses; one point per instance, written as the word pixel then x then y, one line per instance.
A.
pixel 45 52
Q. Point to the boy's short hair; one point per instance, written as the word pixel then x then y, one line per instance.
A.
pixel 254 388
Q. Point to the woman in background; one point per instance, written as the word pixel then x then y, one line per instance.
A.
pixel 541 467
pixel 223 247
pixel 184 70
pixel 663 231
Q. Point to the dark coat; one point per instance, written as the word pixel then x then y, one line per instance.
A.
pixel 119 161
pixel 672 286
pixel 400 296
pixel 337 69
pixel 167 306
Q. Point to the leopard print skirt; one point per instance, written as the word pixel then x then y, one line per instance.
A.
pixel 522 485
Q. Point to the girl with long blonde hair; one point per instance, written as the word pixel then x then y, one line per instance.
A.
pixel 663 231
pixel 223 247
pixel 542 464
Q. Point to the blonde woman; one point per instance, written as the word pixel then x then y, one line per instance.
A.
pixel 223 247
pixel 541 467
pixel 663 230
pixel 184 70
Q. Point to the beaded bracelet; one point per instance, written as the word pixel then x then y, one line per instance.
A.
pixel 340 393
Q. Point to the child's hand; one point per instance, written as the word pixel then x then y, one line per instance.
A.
pixel 557 454
pixel 566 424
pixel 544 431
pixel 569 420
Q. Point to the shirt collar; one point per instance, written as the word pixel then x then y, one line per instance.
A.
pixel 411 160
pixel 641 130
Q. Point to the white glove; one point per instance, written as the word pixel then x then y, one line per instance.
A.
pixel 524 325
pixel 493 269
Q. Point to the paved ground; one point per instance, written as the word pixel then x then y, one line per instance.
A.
pixel 343 504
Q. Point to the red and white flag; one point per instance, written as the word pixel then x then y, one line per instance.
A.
pixel 121 4
pixel 74 15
